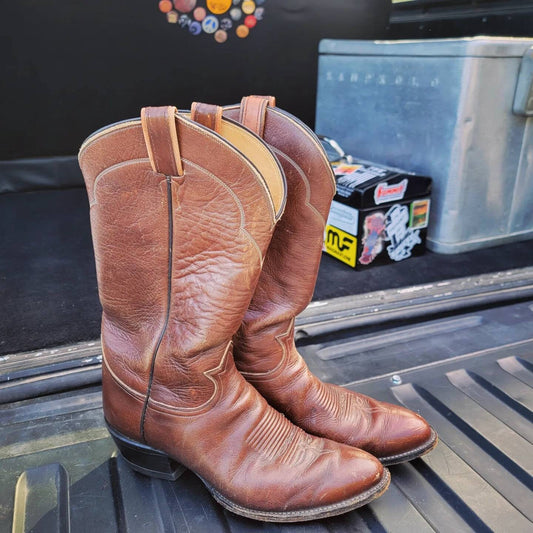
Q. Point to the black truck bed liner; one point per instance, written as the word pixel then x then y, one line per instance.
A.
pixel 466 367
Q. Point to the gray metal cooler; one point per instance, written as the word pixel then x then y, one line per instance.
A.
pixel 458 110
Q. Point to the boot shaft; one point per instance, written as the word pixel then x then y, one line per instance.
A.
pixel 291 265
pixel 181 220
pixel 290 270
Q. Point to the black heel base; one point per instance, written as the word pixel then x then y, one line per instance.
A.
pixel 146 460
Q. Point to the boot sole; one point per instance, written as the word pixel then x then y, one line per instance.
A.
pixel 411 454
pixel 153 463
pixel 306 514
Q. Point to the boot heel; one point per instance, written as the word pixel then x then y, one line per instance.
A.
pixel 146 460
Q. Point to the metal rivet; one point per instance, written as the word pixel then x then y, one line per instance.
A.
pixel 396 379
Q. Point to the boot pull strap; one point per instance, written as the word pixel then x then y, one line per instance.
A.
pixel 253 112
pixel 161 138
pixel 207 115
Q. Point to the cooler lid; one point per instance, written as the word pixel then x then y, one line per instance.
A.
pixel 480 46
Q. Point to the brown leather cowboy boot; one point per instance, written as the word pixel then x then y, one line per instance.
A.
pixel 181 218
pixel 264 349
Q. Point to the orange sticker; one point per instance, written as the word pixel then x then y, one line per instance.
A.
pixel 248 7
pixel 165 6
pixel 242 31
pixel 218 6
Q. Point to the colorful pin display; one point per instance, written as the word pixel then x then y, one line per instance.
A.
pixel 220 19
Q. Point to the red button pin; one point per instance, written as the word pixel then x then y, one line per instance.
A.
pixel 250 21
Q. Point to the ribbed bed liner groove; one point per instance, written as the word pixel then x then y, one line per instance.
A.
pixel 479 399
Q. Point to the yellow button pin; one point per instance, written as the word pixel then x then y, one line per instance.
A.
pixel 218 6
pixel 248 7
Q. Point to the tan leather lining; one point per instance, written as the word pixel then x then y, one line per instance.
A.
pixel 260 156
pixel 186 118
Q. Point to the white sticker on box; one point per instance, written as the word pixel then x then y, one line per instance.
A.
pixel 384 192
pixel 343 217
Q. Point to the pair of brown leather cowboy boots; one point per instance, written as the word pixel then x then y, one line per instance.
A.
pixel 207 228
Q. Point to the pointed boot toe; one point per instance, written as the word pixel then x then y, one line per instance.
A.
pixel 404 436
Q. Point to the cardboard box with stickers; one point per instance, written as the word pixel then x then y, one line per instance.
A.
pixel 379 215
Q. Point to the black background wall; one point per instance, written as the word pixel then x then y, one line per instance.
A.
pixel 69 68
pixel 429 19
pixel 72 67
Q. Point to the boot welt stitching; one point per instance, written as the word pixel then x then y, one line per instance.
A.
pixel 423 448
pixel 304 514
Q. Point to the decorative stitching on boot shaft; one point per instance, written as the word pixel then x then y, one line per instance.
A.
pixel 167 314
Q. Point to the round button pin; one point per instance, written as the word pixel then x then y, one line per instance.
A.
pixel 221 36
pixel 259 12
pixel 199 14
pixel 250 21
pixel 218 6
pixel 248 7
pixel 172 17
pixel 195 28
pixel 235 13
pixel 226 24
pixel 185 5
pixel 242 31
pixel 184 21
pixel 210 24
pixel 165 6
